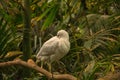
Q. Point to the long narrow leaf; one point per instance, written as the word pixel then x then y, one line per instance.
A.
pixel 50 18
pixel 44 14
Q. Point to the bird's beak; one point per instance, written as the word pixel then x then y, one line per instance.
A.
pixel 58 36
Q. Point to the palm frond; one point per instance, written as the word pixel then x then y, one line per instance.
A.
pixel 6 37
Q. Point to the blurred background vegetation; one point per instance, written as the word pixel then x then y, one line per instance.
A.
pixel 93 26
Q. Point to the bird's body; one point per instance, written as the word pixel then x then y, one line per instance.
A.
pixel 55 48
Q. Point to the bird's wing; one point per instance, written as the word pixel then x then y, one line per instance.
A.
pixel 49 47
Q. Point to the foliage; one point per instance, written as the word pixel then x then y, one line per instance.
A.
pixel 93 26
pixel 7 37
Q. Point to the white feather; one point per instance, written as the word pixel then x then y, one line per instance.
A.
pixel 55 48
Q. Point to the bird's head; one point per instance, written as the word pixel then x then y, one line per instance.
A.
pixel 62 34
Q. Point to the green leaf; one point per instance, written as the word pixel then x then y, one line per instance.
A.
pixel 88 44
pixel 50 18
pixel 6 37
pixel 44 14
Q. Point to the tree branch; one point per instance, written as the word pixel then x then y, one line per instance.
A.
pixel 31 64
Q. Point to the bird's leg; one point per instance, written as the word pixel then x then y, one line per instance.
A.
pixel 42 64
pixel 49 64
pixel 51 70
pixel 50 67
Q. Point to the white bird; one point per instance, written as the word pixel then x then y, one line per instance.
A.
pixel 55 48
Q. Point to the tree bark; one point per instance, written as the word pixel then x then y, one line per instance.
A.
pixel 30 64
pixel 27 31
